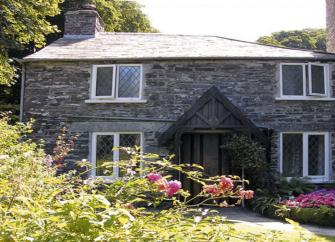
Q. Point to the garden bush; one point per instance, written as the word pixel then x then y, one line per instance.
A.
pixel 39 204
pixel 266 200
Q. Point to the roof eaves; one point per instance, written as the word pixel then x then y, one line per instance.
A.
pixel 326 58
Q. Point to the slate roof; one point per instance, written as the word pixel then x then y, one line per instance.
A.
pixel 122 46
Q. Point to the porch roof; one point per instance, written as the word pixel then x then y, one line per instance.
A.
pixel 213 111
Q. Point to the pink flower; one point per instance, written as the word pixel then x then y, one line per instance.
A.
pixel 249 194
pixel 173 187
pixel 162 184
pixel 214 190
pixel 226 184
pixel 317 199
pixel 153 177
pixel 246 194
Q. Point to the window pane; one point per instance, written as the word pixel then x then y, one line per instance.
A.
pixel 292 79
pixel 316 155
pixel 105 144
pixel 292 155
pixel 128 140
pixel 104 82
pixel 318 79
pixel 129 81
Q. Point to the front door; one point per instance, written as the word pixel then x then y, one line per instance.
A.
pixel 204 149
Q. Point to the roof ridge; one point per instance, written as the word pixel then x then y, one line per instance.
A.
pixel 220 37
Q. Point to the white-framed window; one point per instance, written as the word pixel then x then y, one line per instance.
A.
pixel 120 82
pixel 102 151
pixel 305 154
pixel 304 80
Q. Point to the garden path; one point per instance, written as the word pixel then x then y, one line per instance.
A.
pixel 248 217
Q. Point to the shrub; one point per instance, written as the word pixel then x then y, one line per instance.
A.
pixel 316 207
pixel 38 205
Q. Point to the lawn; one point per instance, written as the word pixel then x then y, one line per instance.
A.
pixel 275 235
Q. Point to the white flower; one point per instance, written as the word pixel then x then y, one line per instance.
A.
pixel 197 219
pixel 89 182
pixel 28 154
pixel 48 160
pixel 205 212
pixel 3 157
pixel 131 172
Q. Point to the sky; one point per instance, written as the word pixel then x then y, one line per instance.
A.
pixel 238 19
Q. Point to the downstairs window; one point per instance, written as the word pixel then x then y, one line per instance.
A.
pixel 305 154
pixel 103 151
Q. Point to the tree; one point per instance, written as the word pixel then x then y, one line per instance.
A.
pixel 117 15
pixel 23 23
pixel 29 25
pixel 312 39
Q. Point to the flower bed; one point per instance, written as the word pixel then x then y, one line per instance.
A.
pixel 314 199
pixel 316 207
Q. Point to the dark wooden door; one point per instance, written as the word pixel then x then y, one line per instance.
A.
pixel 204 149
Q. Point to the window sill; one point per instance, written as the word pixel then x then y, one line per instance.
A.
pixel 304 99
pixel 115 101
pixel 312 179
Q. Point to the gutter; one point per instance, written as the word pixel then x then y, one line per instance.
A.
pixel 316 58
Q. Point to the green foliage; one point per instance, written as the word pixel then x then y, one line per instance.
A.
pixel 264 203
pixel 245 153
pixel 266 200
pixel 37 205
pixel 27 25
pixel 324 216
pixel 312 39
pixel 23 23
pixel 294 187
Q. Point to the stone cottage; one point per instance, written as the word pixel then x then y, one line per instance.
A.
pixel 182 94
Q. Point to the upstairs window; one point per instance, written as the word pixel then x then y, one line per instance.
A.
pixel 305 154
pixel 304 79
pixel 116 81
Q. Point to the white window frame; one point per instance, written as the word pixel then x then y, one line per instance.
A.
pixel 326 79
pixel 305 95
pixel 114 94
pixel 118 80
pixel 116 153
pixel 94 82
pixel 313 179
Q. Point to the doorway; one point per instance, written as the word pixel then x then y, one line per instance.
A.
pixel 206 150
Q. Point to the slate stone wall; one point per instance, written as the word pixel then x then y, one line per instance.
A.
pixel 55 95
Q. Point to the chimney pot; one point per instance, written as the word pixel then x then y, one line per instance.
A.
pixel 84 22
pixel 88 6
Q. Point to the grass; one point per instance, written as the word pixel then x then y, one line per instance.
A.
pixel 299 234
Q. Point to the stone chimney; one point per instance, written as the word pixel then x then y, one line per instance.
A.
pixel 330 16
pixel 84 22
